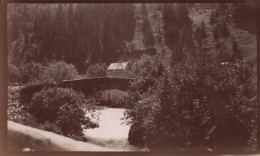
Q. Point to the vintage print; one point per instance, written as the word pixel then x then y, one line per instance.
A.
pixel 175 77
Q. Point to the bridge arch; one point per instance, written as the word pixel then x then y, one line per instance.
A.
pixel 86 86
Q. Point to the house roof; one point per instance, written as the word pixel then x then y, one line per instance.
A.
pixel 116 66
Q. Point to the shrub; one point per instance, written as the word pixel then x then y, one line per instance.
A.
pixel 200 103
pixel 242 20
pixel 222 55
pixel 35 73
pixel 58 71
pixel 203 30
pixel 223 29
pixel 213 17
pixel 30 72
pixel 97 70
pixel 13 73
pixel 216 33
pixel 148 39
pixel 62 106
pixel 146 67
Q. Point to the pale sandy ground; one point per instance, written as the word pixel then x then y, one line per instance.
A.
pixel 112 131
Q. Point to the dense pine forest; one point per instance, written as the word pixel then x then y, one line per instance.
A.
pixel 80 34
pixel 192 69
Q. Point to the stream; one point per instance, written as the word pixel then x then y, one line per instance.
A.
pixel 112 131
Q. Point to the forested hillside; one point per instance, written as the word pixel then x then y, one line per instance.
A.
pixel 77 33
pixel 84 34
pixel 192 69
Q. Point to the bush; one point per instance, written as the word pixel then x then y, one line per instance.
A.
pixel 200 103
pixel 148 39
pixel 223 29
pixel 30 72
pixel 146 67
pixel 64 108
pixel 248 19
pixel 35 73
pixel 97 70
pixel 13 74
pixel 136 135
pixel 58 71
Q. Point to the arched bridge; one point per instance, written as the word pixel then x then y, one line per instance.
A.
pixel 87 86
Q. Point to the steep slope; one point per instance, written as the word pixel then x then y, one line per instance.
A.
pixel 247 42
pixel 198 15
pixel 155 18
pixel 79 34
pixel 137 42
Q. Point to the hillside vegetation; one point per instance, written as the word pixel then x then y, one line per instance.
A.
pixel 79 33
pixel 193 68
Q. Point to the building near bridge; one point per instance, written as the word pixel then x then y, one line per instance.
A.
pixel 117 70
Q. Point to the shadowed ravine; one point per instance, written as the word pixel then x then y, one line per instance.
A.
pixel 112 131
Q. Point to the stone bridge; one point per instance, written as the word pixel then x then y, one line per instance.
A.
pixel 87 86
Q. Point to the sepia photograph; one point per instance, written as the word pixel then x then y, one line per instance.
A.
pixel 142 77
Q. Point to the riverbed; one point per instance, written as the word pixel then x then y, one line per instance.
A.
pixel 112 131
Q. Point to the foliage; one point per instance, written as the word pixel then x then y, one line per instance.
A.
pixel 213 17
pixel 73 33
pixel 14 74
pixel 224 32
pixel 216 34
pixel 170 25
pixel 178 29
pixel 223 55
pixel 201 103
pixel 237 54
pixel 30 72
pixel 97 70
pixel 203 30
pixel 222 7
pixel 198 36
pixel 35 73
pixel 58 71
pixel 245 16
pixel 144 10
pixel 148 34
pixel 16 111
pixel 62 107
pixel 221 30
pixel 146 67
